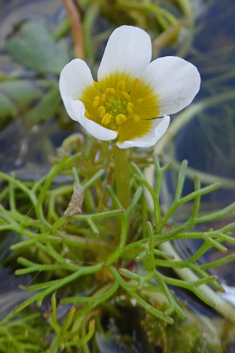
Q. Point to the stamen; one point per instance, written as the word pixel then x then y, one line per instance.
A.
pixel 107 91
pixel 139 101
pixel 135 83
pixel 120 118
pixel 130 107
pixel 121 85
pixel 126 96
pixel 101 111
pixel 103 99
pixel 96 85
pixel 113 126
pixel 155 114
pixel 96 102
pixel 106 119
pixel 136 118
pixel 122 105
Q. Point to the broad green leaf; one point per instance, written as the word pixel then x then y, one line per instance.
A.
pixel 21 92
pixel 35 49
pixel 47 107
pixel 16 95
pixel 7 107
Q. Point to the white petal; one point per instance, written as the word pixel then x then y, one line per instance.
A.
pixel 175 82
pixel 74 78
pixel 129 50
pixel 159 128
pixel 76 110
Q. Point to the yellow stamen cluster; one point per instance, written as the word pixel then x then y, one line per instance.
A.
pixel 124 106
pixel 116 106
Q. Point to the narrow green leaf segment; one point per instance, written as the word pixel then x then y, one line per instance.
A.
pixel 81 257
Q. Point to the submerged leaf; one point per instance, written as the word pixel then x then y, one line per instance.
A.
pixel 35 48
pixel 19 92
pixel 46 108
pixel 7 107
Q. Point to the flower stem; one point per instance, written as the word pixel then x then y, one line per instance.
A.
pixel 122 176
pixel 122 179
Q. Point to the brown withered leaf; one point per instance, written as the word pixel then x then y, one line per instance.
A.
pixel 76 201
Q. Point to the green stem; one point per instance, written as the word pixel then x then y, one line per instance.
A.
pixel 122 176
pixel 122 180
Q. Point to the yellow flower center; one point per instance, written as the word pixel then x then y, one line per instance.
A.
pixel 122 104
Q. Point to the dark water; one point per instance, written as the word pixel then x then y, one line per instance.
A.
pixel 207 141
pixel 21 148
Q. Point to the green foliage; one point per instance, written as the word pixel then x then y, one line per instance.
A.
pixel 77 254
pixel 67 334
pixel 7 107
pixel 23 333
pixel 17 95
pixel 157 16
pixel 21 92
pixel 35 49
pixel 196 335
pixel 163 19
pixel 46 108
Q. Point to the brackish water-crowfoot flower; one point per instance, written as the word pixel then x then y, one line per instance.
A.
pixel 132 99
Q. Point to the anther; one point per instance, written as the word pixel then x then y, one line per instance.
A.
pixel 106 119
pixel 96 102
pixel 86 114
pixel 155 114
pixel 112 91
pixel 101 111
pixel 139 101
pixel 103 99
pixel 121 85
pixel 126 96
pixel 120 118
pixel 96 85
pixel 130 107
pixel 136 118
pixel 135 82
pixel 107 91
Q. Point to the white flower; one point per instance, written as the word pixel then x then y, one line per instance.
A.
pixel 133 97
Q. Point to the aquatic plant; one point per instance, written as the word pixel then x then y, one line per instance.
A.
pixel 87 259
pixel 92 233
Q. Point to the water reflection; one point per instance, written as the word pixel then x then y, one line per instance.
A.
pixel 207 142
pixel 15 11
pixel 21 148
